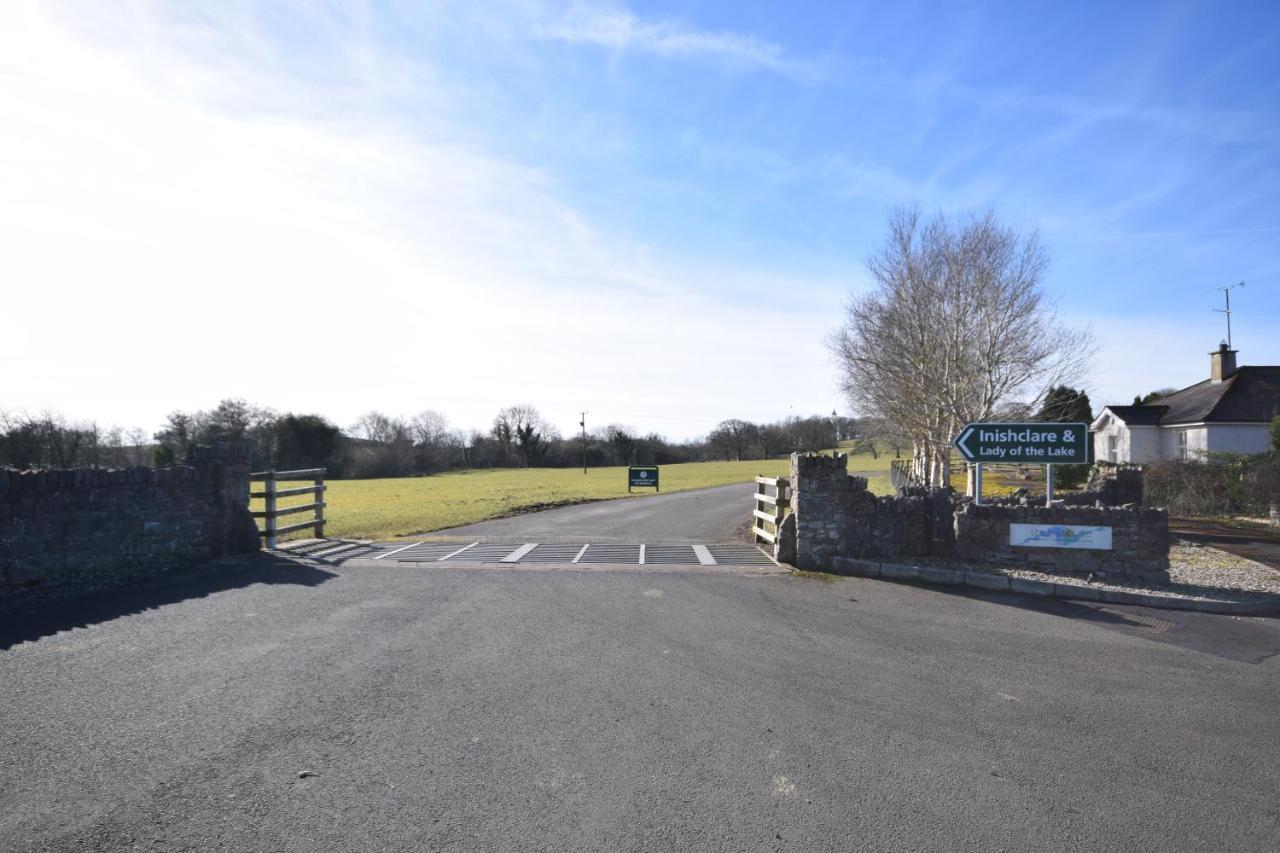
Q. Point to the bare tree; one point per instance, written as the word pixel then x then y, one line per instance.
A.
pixel 622 441
pixel 812 434
pixel 956 326
pixel 435 444
pixel 384 449
pixel 733 437
pixel 379 428
pixel 523 428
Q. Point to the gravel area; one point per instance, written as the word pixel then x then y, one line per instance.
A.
pixel 1195 571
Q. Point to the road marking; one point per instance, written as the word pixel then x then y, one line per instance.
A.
pixel 398 550
pixel 457 552
pixel 580 553
pixel 514 556
pixel 642 555
pixel 704 556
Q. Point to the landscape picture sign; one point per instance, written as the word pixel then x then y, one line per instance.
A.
pixel 1025 443
pixel 1060 536
pixel 642 476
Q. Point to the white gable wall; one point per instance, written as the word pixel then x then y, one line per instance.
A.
pixel 1133 443
pixel 1110 427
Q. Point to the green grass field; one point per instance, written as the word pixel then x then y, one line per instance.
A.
pixel 411 506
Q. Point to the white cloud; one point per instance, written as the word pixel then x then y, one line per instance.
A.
pixel 184 222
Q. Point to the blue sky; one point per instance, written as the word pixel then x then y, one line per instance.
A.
pixel 479 200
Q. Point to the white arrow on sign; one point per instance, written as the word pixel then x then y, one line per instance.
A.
pixel 964 451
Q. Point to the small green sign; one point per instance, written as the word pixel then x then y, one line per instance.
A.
pixel 637 476
pixel 1025 443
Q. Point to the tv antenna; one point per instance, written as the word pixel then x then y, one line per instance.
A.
pixel 1226 295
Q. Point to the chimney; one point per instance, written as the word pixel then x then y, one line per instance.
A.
pixel 1222 363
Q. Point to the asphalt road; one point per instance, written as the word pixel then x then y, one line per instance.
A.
pixel 505 710
pixel 699 515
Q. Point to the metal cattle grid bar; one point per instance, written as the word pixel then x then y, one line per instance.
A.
pixel 671 555
pixel 482 553
pixel 424 552
pixel 552 554
pixel 617 554
pixel 740 555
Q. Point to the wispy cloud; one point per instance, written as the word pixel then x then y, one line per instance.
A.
pixel 620 29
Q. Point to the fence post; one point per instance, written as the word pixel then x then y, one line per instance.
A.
pixel 269 486
pixel 780 505
pixel 319 500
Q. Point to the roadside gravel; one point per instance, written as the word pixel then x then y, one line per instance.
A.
pixel 1195 571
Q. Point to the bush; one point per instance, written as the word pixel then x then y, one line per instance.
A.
pixel 1223 484
pixel 1067 477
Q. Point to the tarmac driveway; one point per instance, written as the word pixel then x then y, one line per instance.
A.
pixel 279 706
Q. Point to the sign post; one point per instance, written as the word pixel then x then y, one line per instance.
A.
pixel 642 476
pixel 1045 444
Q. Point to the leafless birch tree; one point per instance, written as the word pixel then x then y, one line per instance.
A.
pixel 956 328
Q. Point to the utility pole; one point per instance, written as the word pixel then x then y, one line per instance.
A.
pixel 1226 294
pixel 583 423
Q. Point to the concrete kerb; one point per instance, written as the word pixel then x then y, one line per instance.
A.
pixel 1002 583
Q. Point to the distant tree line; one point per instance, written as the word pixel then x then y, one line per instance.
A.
pixel 382 445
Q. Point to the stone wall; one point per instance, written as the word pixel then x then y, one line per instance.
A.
pixel 1139 540
pixel 65 533
pixel 835 516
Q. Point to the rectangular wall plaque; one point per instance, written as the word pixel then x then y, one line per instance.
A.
pixel 1060 536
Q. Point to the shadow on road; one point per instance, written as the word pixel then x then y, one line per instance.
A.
pixel 1245 639
pixel 20 626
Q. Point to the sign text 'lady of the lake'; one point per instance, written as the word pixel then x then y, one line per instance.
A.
pixel 1026 443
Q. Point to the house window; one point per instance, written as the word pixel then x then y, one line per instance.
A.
pixel 1182 444
pixel 1112 449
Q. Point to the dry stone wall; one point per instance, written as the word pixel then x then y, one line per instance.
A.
pixel 835 516
pixel 65 533
pixel 1139 540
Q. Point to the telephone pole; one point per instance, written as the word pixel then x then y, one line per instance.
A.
pixel 1226 294
pixel 583 423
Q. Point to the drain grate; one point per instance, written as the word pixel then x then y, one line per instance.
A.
pixel 1139 620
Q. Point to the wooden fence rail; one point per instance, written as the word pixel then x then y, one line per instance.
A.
pixel 770 508
pixel 269 493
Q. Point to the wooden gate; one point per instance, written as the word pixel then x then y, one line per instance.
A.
pixel 272 511
pixel 770 508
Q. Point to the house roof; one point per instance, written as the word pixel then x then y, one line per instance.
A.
pixel 1138 415
pixel 1250 395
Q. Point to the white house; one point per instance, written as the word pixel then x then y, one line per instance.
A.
pixel 1229 411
